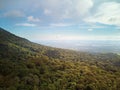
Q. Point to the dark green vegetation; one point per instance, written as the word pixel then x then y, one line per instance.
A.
pixel 28 66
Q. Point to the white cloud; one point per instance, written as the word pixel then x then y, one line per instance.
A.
pixel 60 24
pixel 51 10
pixel 97 26
pixel 107 13
pixel 26 24
pixel 66 8
pixel 90 29
pixel 47 12
pixel 14 14
pixel 32 19
pixel 92 26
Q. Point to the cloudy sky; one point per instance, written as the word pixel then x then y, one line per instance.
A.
pixel 62 19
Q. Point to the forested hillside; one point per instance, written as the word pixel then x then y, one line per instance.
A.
pixel 29 66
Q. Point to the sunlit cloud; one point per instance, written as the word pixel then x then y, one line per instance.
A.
pixel 66 8
pixel 26 24
pixel 107 13
pixel 33 19
pixel 47 12
pixel 90 29
pixel 60 24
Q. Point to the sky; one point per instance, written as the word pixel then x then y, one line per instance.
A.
pixel 62 19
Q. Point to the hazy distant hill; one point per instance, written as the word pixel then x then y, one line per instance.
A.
pixel 29 66
pixel 92 46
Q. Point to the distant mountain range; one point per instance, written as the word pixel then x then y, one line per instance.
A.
pixel 25 65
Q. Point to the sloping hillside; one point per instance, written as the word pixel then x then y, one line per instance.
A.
pixel 29 66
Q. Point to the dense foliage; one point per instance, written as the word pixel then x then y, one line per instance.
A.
pixel 28 66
